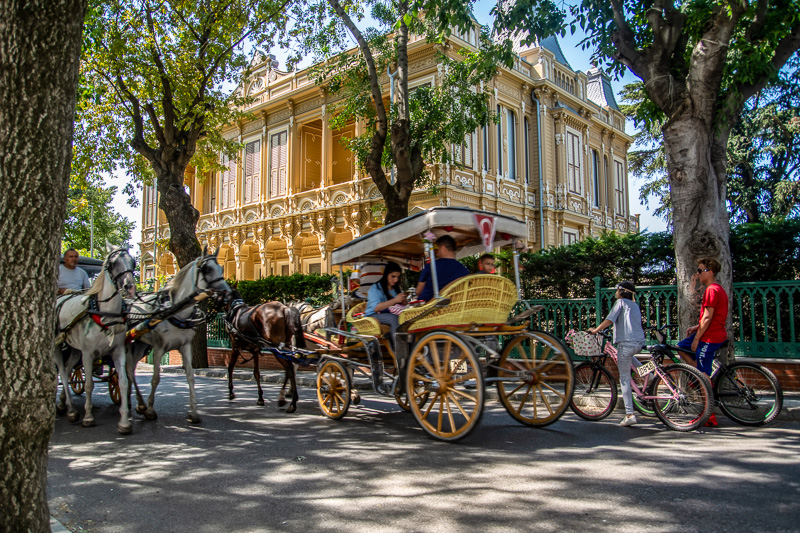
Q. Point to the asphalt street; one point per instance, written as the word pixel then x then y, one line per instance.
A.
pixel 247 468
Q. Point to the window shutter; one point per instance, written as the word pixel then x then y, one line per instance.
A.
pixel 252 171
pixel 277 173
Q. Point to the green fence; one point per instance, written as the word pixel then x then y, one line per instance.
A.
pixel 216 334
pixel 764 314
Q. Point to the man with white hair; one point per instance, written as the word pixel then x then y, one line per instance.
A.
pixel 71 277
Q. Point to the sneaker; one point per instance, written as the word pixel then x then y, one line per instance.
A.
pixel 712 421
pixel 629 420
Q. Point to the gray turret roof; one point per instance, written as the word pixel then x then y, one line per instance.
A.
pixel 598 89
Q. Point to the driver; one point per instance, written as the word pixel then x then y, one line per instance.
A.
pixel 447 268
pixel 71 277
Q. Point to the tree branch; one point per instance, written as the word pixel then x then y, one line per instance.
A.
pixel 379 137
pixel 167 135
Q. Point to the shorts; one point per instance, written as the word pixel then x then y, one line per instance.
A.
pixel 704 355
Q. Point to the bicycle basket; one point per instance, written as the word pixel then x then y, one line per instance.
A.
pixel 583 343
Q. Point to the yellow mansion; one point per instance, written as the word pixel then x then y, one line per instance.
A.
pixel 557 160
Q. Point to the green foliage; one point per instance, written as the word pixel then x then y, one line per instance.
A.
pixel 315 289
pixel 422 125
pixel 568 271
pixel 89 201
pixel 759 252
pixel 763 152
pixel 648 162
pixel 767 251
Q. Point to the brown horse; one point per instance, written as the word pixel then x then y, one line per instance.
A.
pixel 271 326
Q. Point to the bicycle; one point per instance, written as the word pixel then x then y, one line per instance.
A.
pixel 680 395
pixel 748 393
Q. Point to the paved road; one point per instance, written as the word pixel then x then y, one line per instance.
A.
pixel 248 468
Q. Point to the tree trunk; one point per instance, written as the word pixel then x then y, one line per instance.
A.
pixel 40 45
pixel 700 215
pixel 181 215
pixel 182 218
pixel 396 208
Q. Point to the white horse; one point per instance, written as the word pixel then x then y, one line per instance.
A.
pixel 192 283
pixel 92 324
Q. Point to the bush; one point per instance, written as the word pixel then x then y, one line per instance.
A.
pixel 316 289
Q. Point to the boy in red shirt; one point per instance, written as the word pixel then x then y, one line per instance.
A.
pixel 708 335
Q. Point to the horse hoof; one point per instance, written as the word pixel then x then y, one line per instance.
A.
pixel 88 422
pixel 141 409
pixel 291 409
pixel 124 429
pixel 281 403
pixel 355 397
pixel 61 409
pixel 150 415
pixel 260 402
pixel 231 396
pixel 193 419
pixel 73 416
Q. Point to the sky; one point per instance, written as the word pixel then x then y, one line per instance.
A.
pixel 578 60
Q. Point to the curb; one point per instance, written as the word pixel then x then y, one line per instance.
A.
pixel 57 527
pixel 789 413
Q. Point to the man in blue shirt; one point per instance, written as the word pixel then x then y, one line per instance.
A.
pixel 447 268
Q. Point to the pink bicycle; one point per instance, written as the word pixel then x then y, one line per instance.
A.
pixel 678 394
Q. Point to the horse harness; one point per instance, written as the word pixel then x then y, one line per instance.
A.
pixel 93 309
pixel 240 311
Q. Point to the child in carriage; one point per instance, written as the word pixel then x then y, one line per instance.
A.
pixel 626 317
pixel 384 294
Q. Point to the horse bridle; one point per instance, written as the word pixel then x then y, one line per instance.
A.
pixel 209 284
pixel 111 265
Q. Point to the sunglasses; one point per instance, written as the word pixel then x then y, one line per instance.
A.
pixel 701 270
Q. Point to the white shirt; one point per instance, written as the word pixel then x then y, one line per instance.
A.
pixel 75 279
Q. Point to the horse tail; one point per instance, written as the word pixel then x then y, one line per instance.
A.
pixel 294 327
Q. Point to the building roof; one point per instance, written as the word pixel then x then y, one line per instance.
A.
pixel 598 89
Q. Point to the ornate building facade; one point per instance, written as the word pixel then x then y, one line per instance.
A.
pixel 557 160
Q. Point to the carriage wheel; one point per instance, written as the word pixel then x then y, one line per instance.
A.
pixel 421 397
pixel 537 379
pixel 444 383
pixel 333 389
pixel 77 380
pixel 113 386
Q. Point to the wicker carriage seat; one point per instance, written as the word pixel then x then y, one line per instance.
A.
pixel 484 299
pixel 365 325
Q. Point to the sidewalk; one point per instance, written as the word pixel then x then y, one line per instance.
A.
pixel 789 413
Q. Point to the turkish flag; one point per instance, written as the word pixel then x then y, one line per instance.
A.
pixel 486 228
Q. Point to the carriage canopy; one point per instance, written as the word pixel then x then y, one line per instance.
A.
pixel 403 242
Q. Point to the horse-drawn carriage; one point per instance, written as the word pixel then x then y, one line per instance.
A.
pixel 449 348
pixel 103 371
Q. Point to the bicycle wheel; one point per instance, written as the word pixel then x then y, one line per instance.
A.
pixel 595 395
pixel 644 407
pixel 748 393
pixel 682 397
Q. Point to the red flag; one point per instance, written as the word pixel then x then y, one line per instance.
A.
pixel 486 227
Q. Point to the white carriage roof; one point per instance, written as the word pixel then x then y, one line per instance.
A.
pixel 402 241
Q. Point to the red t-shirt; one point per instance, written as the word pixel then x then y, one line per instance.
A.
pixel 715 297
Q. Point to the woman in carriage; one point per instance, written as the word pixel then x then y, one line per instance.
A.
pixel 384 295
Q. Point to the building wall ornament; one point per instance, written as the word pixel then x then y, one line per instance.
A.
pixel 512 193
